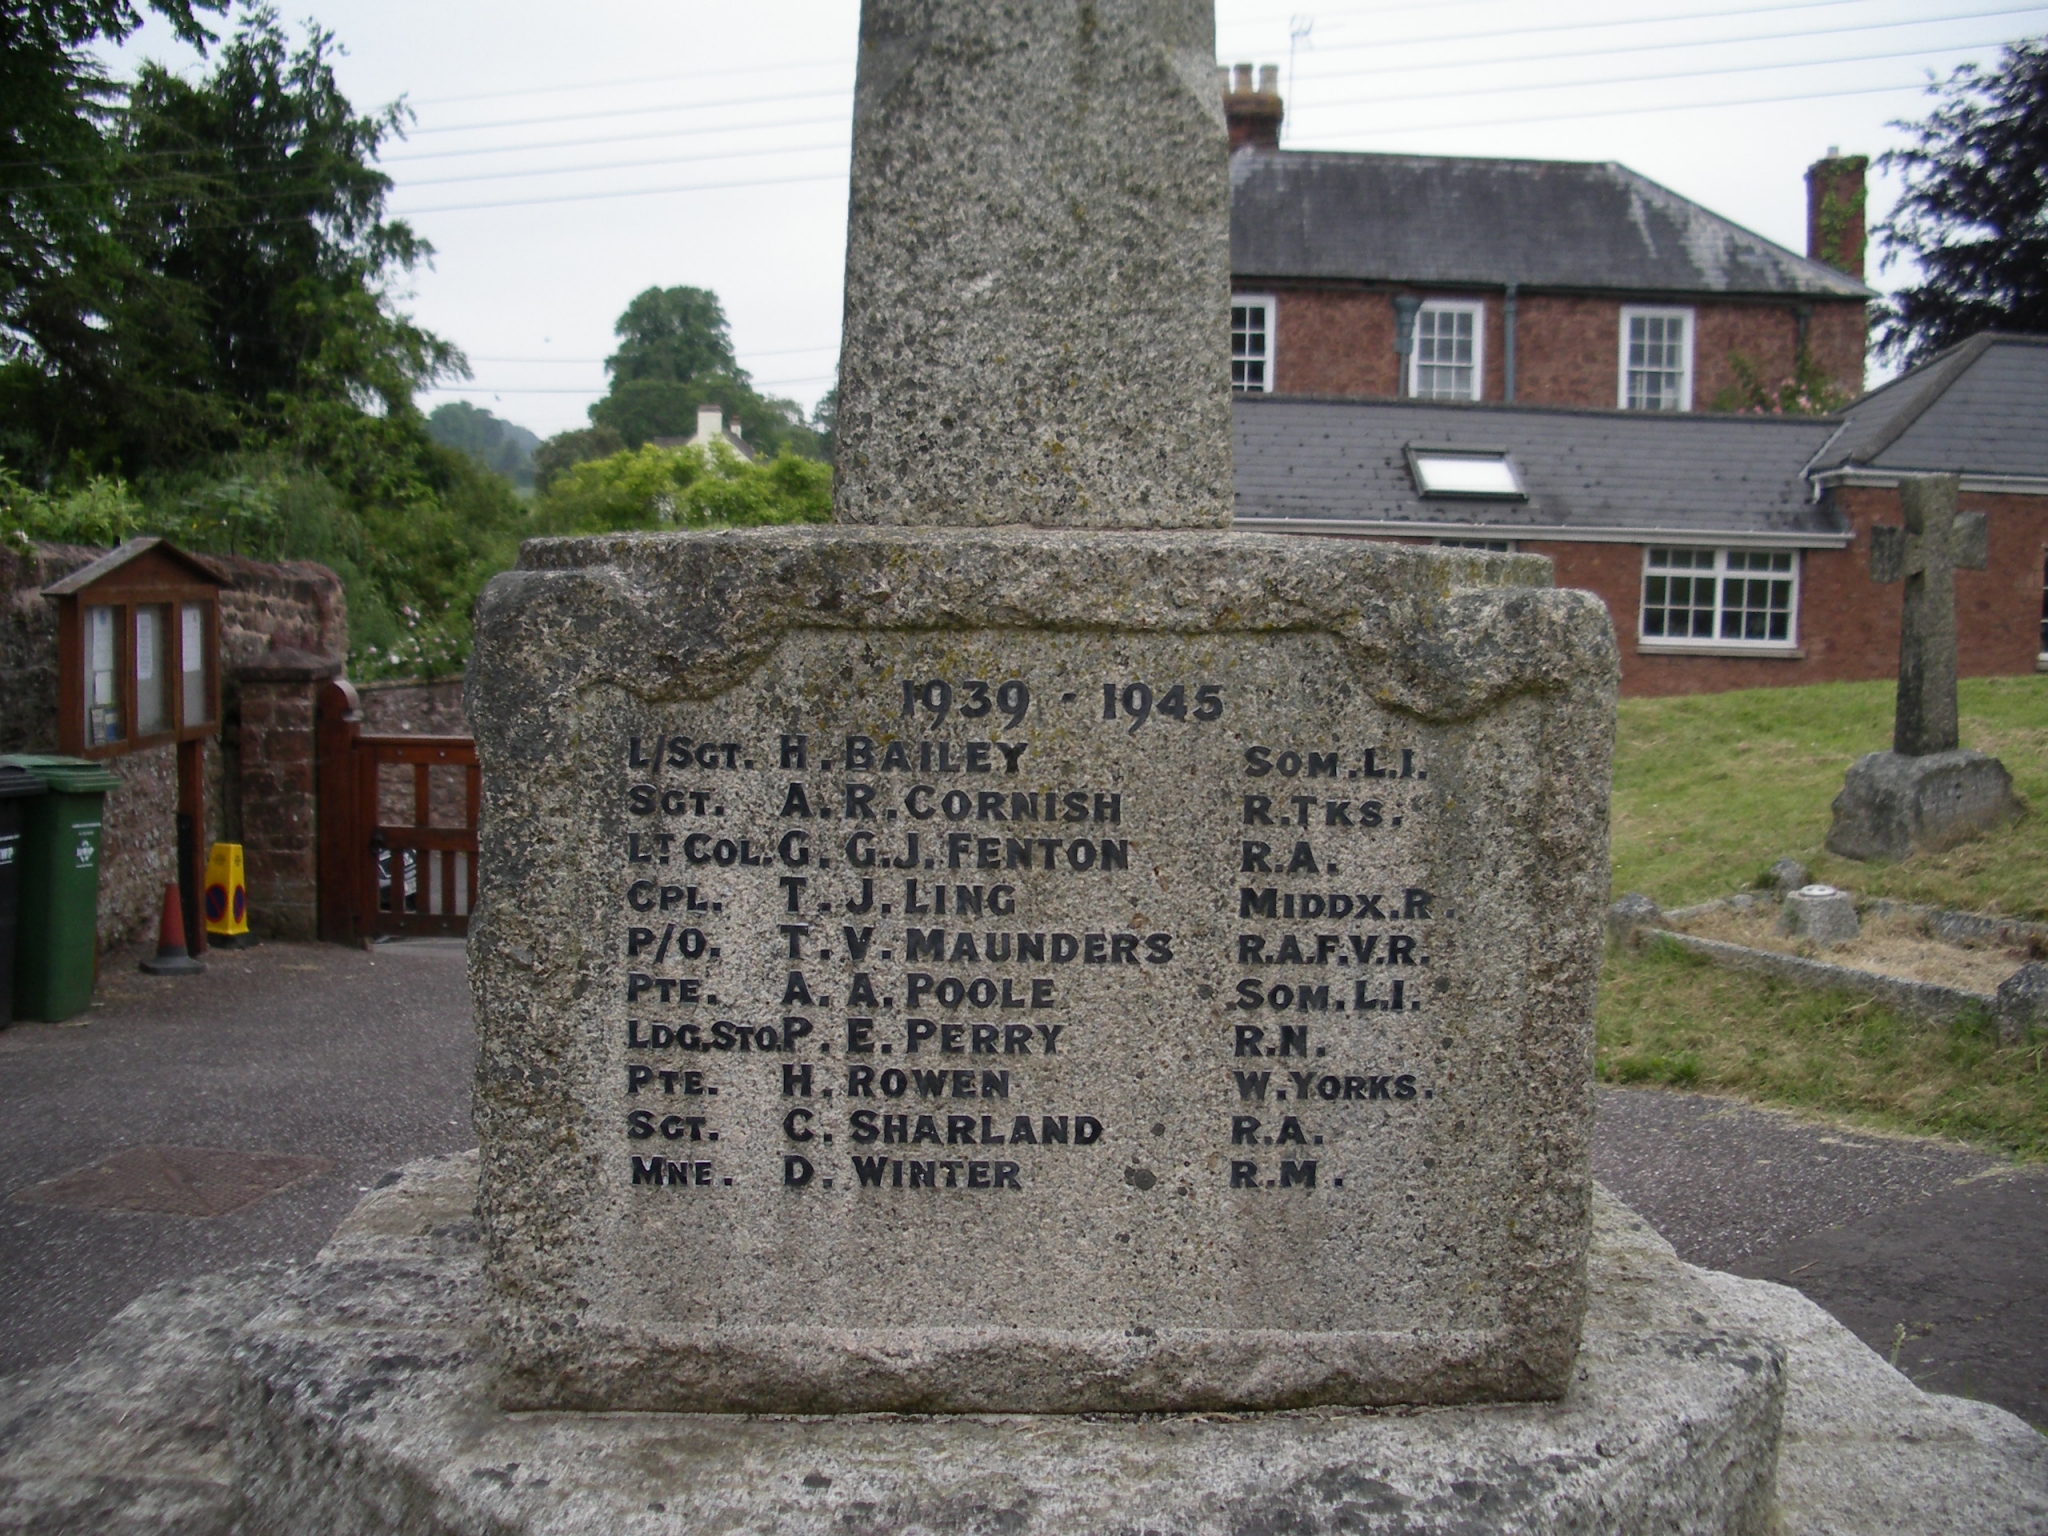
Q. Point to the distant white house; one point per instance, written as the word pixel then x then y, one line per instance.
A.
pixel 712 427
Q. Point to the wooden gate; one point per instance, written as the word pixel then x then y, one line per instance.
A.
pixel 397 828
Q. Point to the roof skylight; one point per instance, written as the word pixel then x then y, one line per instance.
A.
pixel 1484 472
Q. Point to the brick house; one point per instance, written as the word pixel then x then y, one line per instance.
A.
pixel 1383 276
pixel 1730 549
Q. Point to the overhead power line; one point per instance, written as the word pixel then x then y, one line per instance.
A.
pixel 670 78
pixel 1682 74
pixel 190 188
pixel 1669 106
pixel 685 106
pixel 193 187
pixel 144 202
pixel 620 165
pixel 1606 25
pixel 1434 127
pixel 523 389
pixel 592 362
pixel 1462 62
pixel 1381 44
pixel 1376 13
pixel 596 197
pixel 836 119
pixel 842 61
pixel 1704 42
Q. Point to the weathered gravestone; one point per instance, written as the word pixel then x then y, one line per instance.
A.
pixel 1005 968
pixel 1925 794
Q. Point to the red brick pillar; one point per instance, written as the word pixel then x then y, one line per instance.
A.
pixel 280 793
pixel 1835 211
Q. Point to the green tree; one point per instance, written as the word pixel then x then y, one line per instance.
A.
pixel 498 445
pixel 243 285
pixel 654 488
pixel 640 410
pixel 1974 214
pixel 825 419
pixel 565 450
pixel 677 334
pixel 675 355
pixel 55 104
pixel 225 360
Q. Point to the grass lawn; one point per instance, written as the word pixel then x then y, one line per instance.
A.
pixel 1708 791
pixel 1669 1018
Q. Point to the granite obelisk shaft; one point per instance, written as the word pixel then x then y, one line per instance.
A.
pixel 1037 269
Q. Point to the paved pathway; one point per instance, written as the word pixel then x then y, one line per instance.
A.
pixel 361 1058
pixel 1934 1254
pixel 365 1059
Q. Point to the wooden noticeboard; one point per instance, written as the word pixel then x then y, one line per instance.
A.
pixel 138 666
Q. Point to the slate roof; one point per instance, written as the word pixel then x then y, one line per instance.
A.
pixel 1980 408
pixel 1586 472
pixel 1452 221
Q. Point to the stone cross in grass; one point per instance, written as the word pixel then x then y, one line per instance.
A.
pixel 1925 794
pixel 1925 554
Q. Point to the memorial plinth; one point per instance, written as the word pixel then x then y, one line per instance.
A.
pixel 1015 971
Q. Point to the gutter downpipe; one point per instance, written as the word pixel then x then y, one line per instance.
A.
pixel 1406 307
pixel 1508 339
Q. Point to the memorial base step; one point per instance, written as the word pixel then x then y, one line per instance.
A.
pixel 354 1395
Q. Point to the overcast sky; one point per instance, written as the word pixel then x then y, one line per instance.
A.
pixel 567 156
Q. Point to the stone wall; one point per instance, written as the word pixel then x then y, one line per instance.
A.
pixel 28 642
pixel 289 605
pixel 414 707
pixel 139 843
pixel 279 796
pixel 1338 339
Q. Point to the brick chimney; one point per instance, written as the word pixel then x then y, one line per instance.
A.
pixel 1254 114
pixel 1834 211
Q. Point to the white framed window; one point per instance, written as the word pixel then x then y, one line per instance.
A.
pixel 1656 359
pixel 1448 361
pixel 1721 598
pixel 1491 546
pixel 1252 331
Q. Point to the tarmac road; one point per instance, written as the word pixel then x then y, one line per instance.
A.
pixel 1934 1254
pixel 360 1057
pixel 364 1059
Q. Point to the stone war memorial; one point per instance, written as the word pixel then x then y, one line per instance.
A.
pixel 1025 948
pixel 1024 1011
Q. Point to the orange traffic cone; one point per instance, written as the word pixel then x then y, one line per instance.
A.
pixel 171 958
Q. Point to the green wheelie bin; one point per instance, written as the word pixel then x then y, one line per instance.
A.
pixel 16 785
pixel 56 927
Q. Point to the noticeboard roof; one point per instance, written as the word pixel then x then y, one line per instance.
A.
pixel 191 567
